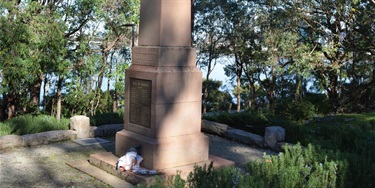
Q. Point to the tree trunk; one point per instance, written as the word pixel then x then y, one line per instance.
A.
pixel 59 88
pixel 114 102
pixel 205 97
pixel 333 93
pixel 254 96
pixel 298 93
pixel 11 100
pixel 36 91
pixel 272 90
pixel 109 84
pixel 238 93
pixel 4 107
pixel 100 82
pixel 45 91
pixel 207 85
pixel 11 111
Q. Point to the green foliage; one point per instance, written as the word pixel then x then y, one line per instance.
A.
pixel 349 140
pixel 322 105
pixel 216 100
pixel 107 118
pixel 206 176
pixel 297 167
pixel 254 122
pixel 75 103
pixel 29 124
pixel 174 181
pixel 5 128
pixel 350 137
pixel 298 111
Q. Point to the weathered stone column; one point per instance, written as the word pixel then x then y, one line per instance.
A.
pixel 163 90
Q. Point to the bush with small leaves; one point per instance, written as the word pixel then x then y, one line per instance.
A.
pixel 297 167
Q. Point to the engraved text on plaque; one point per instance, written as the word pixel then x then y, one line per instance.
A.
pixel 140 102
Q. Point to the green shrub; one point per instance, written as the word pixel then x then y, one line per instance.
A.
pixel 299 111
pixel 349 138
pixel 29 124
pixel 107 118
pixel 5 128
pixel 174 181
pixel 297 167
pixel 206 177
pixel 322 104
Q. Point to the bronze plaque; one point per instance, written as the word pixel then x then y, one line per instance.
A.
pixel 140 102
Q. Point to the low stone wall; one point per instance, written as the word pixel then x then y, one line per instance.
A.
pixel 11 141
pixel 273 139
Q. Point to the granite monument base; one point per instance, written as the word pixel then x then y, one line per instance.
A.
pixel 168 152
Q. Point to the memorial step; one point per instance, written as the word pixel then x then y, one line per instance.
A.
pixel 113 181
pixel 107 162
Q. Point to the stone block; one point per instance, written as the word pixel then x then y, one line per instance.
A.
pixel 81 124
pixel 174 101
pixel 245 137
pixel 165 23
pixel 10 141
pixel 214 127
pixel 273 135
pixel 158 56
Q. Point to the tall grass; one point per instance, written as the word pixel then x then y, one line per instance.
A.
pixel 29 124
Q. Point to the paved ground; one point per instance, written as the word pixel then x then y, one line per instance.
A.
pixel 45 165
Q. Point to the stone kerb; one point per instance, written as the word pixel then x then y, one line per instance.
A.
pixel 81 124
pixel 214 127
pixel 10 141
pixel 245 137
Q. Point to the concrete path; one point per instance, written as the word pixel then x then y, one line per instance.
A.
pixel 46 165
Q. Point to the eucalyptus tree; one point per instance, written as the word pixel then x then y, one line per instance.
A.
pixel 240 41
pixel 219 100
pixel 208 39
pixel 360 71
pixel 94 36
pixel 335 31
pixel 15 57
pixel 77 17
pixel 25 28
pixel 115 37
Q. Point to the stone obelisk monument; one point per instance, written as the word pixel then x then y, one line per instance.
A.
pixel 163 89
